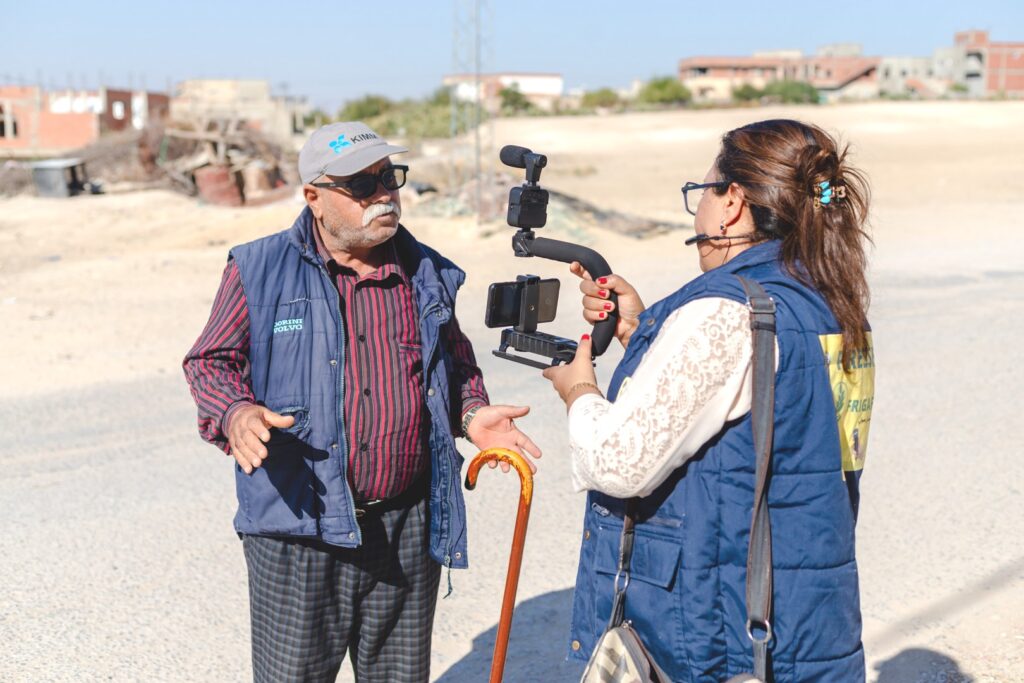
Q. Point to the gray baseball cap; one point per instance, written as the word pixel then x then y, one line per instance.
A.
pixel 342 149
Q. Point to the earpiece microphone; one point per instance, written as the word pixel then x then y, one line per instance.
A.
pixel 697 239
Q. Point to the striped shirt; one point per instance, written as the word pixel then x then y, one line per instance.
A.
pixel 386 419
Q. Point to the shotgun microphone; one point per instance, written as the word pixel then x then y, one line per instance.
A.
pixel 513 155
pixel 517 157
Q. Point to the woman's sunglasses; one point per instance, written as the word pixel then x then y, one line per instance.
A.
pixel 364 185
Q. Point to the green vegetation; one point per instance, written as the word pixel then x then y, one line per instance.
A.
pixel 895 96
pixel 791 92
pixel 778 92
pixel 431 116
pixel 316 118
pixel 365 108
pixel 513 101
pixel 604 98
pixel 746 93
pixel 413 119
pixel 664 90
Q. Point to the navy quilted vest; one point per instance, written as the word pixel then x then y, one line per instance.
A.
pixel 296 350
pixel 687 596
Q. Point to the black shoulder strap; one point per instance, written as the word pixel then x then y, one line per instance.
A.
pixel 759 557
pixel 762 408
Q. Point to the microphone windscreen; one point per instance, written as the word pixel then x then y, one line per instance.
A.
pixel 514 156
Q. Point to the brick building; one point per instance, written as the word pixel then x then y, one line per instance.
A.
pixel 29 128
pixel 34 122
pixel 973 65
pixel 989 69
pixel 838 72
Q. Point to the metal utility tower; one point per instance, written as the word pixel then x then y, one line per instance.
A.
pixel 469 49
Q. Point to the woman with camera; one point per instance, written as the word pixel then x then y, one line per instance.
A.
pixel 779 206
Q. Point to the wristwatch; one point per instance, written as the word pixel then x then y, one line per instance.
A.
pixel 466 419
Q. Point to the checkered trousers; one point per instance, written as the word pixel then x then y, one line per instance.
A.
pixel 312 603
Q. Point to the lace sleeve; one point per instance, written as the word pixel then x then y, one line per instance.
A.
pixel 693 379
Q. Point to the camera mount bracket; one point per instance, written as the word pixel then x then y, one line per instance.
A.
pixel 527 210
pixel 558 349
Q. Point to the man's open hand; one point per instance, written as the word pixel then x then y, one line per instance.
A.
pixel 249 429
pixel 492 427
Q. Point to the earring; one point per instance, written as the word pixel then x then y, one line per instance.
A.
pixel 721 227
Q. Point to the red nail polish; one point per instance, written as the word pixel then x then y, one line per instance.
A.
pixel 608 307
pixel 603 315
pixel 602 280
pixel 603 293
pixel 585 337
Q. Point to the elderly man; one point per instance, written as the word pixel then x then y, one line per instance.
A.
pixel 334 371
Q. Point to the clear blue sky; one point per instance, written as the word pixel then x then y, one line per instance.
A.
pixel 336 50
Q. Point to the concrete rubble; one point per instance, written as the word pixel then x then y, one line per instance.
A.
pixel 219 161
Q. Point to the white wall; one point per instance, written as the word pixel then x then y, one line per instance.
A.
pixel 76 102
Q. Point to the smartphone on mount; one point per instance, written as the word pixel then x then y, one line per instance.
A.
pixel 505 299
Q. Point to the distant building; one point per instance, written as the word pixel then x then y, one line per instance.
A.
pixel 915 76
pixel 34 122
pixel 837 71
pixel 988 69
pixel 978 66
pixel 117 109
pixel 248 101
pixel 541 90
pixel 974 65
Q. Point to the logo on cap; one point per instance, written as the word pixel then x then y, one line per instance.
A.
pixel 340 143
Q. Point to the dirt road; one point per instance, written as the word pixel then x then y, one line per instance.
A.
pixel 118 559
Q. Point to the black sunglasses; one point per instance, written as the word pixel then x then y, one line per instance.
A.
pixel 364 185
pixel 691 186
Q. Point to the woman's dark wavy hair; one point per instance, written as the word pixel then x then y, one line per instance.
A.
pixel 778 163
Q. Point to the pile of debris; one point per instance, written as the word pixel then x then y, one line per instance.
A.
pixel 574 213
pixel 114 163
pixel 566 213
pixel 462 197
pixel 220 161
pixel 225 163
pixel 15 178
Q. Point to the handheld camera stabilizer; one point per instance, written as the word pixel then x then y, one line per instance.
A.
pixel 527 209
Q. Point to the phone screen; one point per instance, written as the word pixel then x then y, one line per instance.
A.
pixel 504 300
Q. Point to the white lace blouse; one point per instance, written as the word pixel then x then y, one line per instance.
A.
pixel 695 377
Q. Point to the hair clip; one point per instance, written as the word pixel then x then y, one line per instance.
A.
pixel 823 193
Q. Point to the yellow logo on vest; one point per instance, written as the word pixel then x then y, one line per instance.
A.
pixel 854 394
pixel 288 325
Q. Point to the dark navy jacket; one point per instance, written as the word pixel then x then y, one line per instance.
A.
pixel 296 353
pixel 687 594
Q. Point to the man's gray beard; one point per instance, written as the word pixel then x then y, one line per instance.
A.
pixel 365 237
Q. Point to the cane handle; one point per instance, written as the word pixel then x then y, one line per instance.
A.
pixel 502 455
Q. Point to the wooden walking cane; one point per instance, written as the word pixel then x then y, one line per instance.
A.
pixel 515 560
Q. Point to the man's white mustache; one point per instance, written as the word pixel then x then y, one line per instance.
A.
pixel 376 210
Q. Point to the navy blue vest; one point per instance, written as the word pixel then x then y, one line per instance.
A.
pixel 296 353
pixel 687 595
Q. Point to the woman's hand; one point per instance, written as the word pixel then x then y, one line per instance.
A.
pixel 596 305
pixel 577 378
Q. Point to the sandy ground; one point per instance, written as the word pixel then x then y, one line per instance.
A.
pixel 118 561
